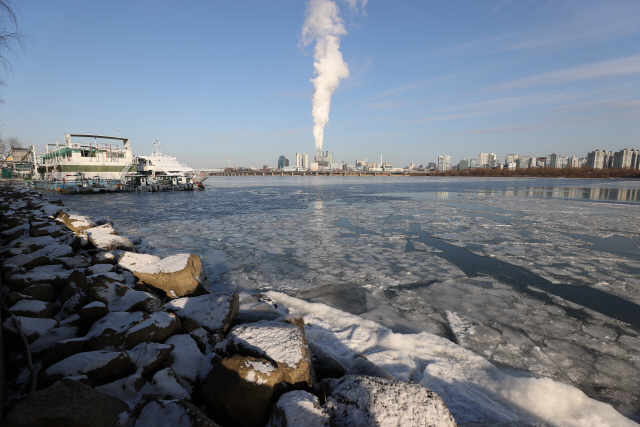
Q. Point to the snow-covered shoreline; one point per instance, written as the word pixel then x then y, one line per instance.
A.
pixel 474 390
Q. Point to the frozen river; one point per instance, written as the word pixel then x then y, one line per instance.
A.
pixel 539 276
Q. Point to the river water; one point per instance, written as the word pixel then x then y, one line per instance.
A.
pixel 539 276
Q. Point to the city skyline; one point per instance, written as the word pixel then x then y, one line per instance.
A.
pixel 218 81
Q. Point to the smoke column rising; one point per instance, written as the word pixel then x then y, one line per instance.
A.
pixel 324 25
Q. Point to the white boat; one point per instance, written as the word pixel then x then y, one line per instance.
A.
pixel 72 161
pixel 158 165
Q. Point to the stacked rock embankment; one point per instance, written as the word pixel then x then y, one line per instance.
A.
pixel 97 334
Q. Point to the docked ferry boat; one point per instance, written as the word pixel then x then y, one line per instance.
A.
pixel 90 166
pixel 165 167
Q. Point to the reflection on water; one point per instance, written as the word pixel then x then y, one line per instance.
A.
pixel 616 194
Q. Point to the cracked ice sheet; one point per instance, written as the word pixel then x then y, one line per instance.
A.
pixel 473 389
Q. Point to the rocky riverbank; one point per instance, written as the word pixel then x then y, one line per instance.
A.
pixel 119 337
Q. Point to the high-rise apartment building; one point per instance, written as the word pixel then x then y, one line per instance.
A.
pixel 444 163
pixel 494 161
pixel 483 160
pixel 622 158
pixel 464 164
pixel 600 159
pixel 302 160
pixel 573 162
pixel 511 158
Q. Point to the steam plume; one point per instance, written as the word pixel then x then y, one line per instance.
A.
pixel 324 25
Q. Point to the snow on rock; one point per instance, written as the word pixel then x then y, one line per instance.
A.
pixel 106 238
pixel 132 388
pixel 99 269
pixel 190 366
pixel 132 261
pixel 178 275
pixel 213 312
pixel 93 311
pixel 120 297
pixel 42 292
pixel 33 243
pixel 54 275
pixel 102 366
pixel 34 308
pixel 473 389
pixel 283 343
pixel 52 251
pixel 360 400
pixel 52 336
pixel 78 261
pixel 74 223
pixel 32 327
pixel 148 356
pixel 298 408
pixel 122 330
pixel 172 413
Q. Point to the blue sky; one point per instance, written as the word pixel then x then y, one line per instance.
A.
pixel 212 80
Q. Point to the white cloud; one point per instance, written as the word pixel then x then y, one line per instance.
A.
pixel 611 68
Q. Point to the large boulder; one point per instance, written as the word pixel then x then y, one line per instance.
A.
pixel 92 367
pixel 172 413
pixel 42 292
pixel 370 401
pixel 240 390
pixel 213 312
pixel 177 276
pixel 282 343
pixel 122 330
pixel 298 408
pixel 67 403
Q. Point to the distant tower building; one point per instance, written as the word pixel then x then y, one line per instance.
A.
pixel 464 164
pixel 472 163
pixel 523 162
pixel 302 160
pixel 330 158
pixel 431 166
pixel 282 162
pixel 444 163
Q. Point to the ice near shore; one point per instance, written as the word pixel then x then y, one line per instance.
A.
pixel 355 251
